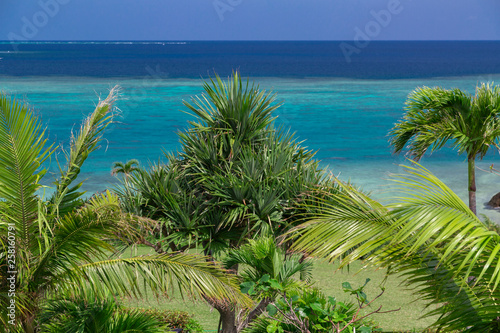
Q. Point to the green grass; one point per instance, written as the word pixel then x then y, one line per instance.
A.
pixel 329 279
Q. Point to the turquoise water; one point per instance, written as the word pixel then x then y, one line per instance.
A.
pixel 345 120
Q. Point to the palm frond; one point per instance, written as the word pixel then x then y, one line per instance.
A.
pixel 263 256
pixel 22 152
pixel 431 119
pixel 431 215
pixel 82 145
pixel 78 236
pixel 192 274
pixel 428 234
pixel 94 315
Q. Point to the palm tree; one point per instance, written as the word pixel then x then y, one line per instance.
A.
pixel 429 235
pixel 126 168
pixel 60 245
pixel 262 256
pixel 435 116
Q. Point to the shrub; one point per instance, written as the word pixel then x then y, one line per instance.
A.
pixel 309 310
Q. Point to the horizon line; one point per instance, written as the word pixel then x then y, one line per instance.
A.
pixel 233 40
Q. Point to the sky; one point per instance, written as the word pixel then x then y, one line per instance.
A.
pixel 181 20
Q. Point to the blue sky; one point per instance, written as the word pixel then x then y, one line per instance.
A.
pixel 249 19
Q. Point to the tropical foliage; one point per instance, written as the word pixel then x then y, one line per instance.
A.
pixel 435 116
pixel 176 319
pixel 247 193
pixel 428 234
pixel 95 315
pixel 89 314
pixel 61 245
pixel 236 176
pixel 266 266
pixel 262 256
pixel 310 311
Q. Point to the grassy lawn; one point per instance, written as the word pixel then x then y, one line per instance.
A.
pixel 329 280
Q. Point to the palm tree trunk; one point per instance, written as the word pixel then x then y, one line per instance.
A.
pixel 228 319
pixel 227 315
pixel 472 184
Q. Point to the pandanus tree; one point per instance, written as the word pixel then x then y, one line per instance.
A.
pixel 60 245
pixel 247 169
pixel 235 177
pixel 446 254
pixel 435 116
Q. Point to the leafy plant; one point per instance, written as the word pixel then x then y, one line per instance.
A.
pixel 264 259
pixel 236 177
pixel 310 311
pixel 125 168
pixel 266 269
pixel 264 287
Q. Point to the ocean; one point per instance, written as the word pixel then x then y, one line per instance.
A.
pixel 342 104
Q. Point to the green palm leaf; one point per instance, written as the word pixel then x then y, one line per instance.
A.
pixel 262 256
pixel 22 152
pixel 81 146
pixel 428 234
pixel 63 245
pixel 192 274
pixel 78 236
pixel 88 315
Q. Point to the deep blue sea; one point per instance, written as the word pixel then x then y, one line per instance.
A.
pixel 342 106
